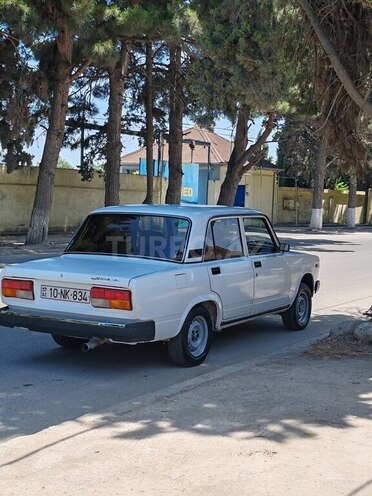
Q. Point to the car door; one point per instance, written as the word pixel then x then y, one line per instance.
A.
pixel 230 270
pixel 272 278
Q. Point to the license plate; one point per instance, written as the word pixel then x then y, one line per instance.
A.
pixel 74 295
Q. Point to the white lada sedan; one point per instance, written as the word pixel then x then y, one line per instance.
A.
pixel 144 273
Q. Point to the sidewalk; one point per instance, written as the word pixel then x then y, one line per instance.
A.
pixel 13 245
pixel 284 426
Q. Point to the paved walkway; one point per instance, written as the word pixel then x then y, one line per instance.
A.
pixel 13 245
pixel 284 426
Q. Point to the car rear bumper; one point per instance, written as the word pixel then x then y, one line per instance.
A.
pixel 80 326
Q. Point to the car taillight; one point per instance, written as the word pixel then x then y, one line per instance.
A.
pixel 17 288
pixel 111 298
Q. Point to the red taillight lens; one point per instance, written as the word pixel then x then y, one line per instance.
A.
pixel 111 298
pixel 17 288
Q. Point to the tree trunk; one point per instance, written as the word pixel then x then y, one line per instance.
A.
pixel 175 127
pixel 149 92
pixel 336 63
pixel 366 199
pixel 352 201
pixel 39 224
pixel 233 176
pixel 117 78
pixel 242 158
pixel 316 221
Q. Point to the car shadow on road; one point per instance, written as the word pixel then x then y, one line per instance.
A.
pixel 320 245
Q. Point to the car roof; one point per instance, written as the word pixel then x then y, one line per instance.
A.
pixel 190 211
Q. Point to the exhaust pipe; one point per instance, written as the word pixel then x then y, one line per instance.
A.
pixel 93 343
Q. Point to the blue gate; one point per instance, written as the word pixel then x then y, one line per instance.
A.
pixel 240 196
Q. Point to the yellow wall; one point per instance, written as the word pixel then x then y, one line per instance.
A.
pixel 73 199
pixel 334 206
pixel 262 193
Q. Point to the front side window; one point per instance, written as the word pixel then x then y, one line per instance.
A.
pixel 147 236
pixel 223 240
pixel 258 237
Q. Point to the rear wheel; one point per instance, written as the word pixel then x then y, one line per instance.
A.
pixel 68 341
pixel 298 314
pixel 191 346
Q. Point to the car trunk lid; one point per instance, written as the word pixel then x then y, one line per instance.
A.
pixel 64 283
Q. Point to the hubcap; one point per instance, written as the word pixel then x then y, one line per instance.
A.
pixel 197 336
pixel 302 307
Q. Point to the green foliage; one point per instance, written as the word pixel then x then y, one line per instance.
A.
pixel 298 143
pixel 17 121
pixel 128 21
pixel 29 51
pixel 257 53
pixel 116 20
pixel 297 148
pixel 341 186
pixel 238 59
pixel 64 164
pixel 347 25
pixel 161 21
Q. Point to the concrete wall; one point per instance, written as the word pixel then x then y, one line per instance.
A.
pixel 262 193
pixel 334 206
pixel 73 198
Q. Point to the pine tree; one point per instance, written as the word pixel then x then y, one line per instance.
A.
pixel 122 24
pixel 336 52
pixel 241 74
pixel 180 45
pixel 329 21
pixel 49 29
pixel 17 121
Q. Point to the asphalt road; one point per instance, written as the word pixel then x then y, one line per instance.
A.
pixel 43 385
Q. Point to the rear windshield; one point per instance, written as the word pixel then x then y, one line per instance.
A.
pixel 146 236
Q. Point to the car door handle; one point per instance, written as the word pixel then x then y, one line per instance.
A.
pixel 258 264
pixel 216 270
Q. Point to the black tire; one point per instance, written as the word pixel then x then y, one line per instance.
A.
pixel 298 314
pixel 68 341
pixel 191 346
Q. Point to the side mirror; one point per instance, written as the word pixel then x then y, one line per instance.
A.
pixel 284 247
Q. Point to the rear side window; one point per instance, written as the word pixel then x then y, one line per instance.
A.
pixel 223 240
pixel 147 236
pixel 258 237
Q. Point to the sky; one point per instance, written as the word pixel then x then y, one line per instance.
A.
pixel 130 143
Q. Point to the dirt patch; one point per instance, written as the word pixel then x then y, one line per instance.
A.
pixel 341 346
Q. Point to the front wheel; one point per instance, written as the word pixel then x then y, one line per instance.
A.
pixel 191 346
pixel 298 314
pixel 68 341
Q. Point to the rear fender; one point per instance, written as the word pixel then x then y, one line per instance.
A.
pixel 210 298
